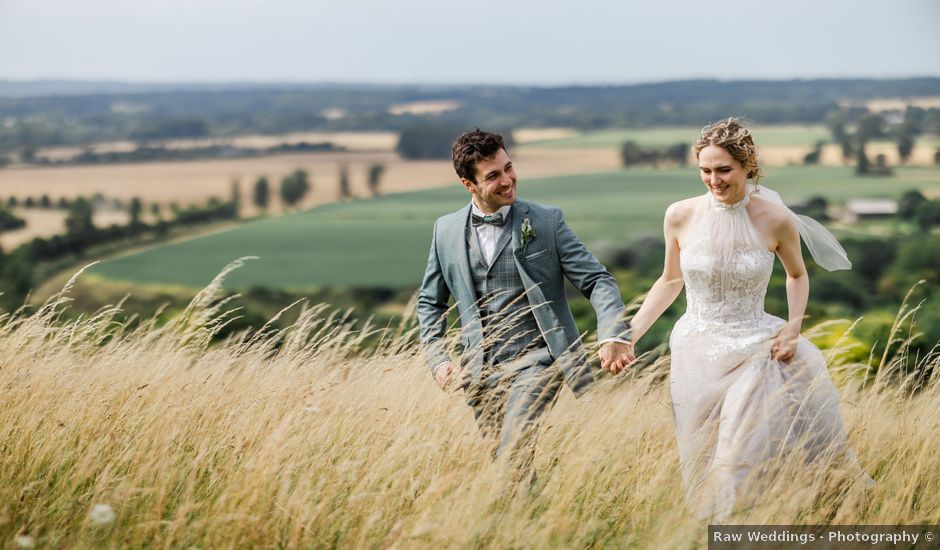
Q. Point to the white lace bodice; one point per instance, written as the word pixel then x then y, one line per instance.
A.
pixel 725 265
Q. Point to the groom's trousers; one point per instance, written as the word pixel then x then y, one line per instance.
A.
pixel 508 401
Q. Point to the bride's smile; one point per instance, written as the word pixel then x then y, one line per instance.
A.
pixel 725 177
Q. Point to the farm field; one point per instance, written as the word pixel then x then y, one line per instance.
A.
pixel 651 137
pixel 196 181
pixel 783 145
pixel 384 242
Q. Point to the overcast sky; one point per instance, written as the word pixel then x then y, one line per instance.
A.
pixel 472 41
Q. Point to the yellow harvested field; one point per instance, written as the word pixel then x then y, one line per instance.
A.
pixel 900 103
pixel 792 155
pixel 42 222
pixel 354 141
pixel 424 107
pixel 531 135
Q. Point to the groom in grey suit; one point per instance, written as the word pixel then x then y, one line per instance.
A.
pixel 504 261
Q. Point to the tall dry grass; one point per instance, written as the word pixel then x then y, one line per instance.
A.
pixel 308 438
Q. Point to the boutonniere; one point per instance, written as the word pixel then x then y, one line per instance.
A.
pixel 526 232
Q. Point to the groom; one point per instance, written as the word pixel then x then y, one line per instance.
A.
pixel 504 261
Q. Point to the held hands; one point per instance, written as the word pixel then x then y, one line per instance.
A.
pixel 784 346
pixel 616 356
pixel 445 375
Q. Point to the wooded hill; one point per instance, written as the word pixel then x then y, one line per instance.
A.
pixel 35 114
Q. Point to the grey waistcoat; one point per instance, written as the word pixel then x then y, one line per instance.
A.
pixel 509 328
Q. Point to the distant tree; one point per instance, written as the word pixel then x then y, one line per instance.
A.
pixel 905 147
pixel 235 196
pixel 928 215
pixel 428 141
pixel 631 154
pixel 135 209
pixel 936 156
pixel 10 221
pixel 28 155
pixel 863 165
pixel 168 127
pixel 63 204
pixel 294 187
pixel 45 202
pixel 79 220
pixel 17 273
pixel 345 191
pixel 155 209
pixel 870 126
pixel 813 156
pixel 817 208
pixel 375 178
pixel 678 153
pixel 262 193
pixel 908 204
pixel 908 131
pixel 837 127
pixel 29 203
pixel 12 202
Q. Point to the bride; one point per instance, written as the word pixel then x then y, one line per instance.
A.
pixel 745 386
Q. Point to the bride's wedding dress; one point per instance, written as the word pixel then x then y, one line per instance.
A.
pixel 735 408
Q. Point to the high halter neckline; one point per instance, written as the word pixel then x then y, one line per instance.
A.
pixel 729 207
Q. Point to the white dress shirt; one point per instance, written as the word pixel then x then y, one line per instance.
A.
pixel 487 233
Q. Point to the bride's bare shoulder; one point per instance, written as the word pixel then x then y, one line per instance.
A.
pixel 679 213
pixel 772 214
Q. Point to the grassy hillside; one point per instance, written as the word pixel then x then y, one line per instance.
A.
pixel 384 242
pixel 148 437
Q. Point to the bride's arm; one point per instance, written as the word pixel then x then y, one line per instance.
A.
pixel 788 250
pixel 665 290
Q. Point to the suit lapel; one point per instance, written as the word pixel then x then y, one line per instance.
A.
pixel 473 245
pixel 520 211
pixel 456 238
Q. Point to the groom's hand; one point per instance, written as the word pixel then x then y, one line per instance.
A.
pixel 616 356
pixel 445 375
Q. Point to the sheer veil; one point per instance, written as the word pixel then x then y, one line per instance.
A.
pixel 822 245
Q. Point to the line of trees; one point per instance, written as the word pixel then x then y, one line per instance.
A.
pixel 631 154
pixel 9 220
pixel 18 268
pixel 49 118
pixel 297 185
pixel 854 129
pixel 915 207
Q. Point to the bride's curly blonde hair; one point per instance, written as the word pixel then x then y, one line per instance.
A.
pixel 732 136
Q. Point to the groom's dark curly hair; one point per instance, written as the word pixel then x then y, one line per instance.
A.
pixel 472 147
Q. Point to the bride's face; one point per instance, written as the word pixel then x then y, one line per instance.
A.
pixel 724 176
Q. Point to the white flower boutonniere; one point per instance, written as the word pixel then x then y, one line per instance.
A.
pixel 526 232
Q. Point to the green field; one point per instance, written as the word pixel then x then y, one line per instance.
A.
pixel 661 137
pixel 384 242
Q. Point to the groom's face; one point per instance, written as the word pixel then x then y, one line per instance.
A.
pixel 496 182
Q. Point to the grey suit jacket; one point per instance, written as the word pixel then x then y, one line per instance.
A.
pixel 555 253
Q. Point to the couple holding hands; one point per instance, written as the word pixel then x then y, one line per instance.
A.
pixel 745 385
